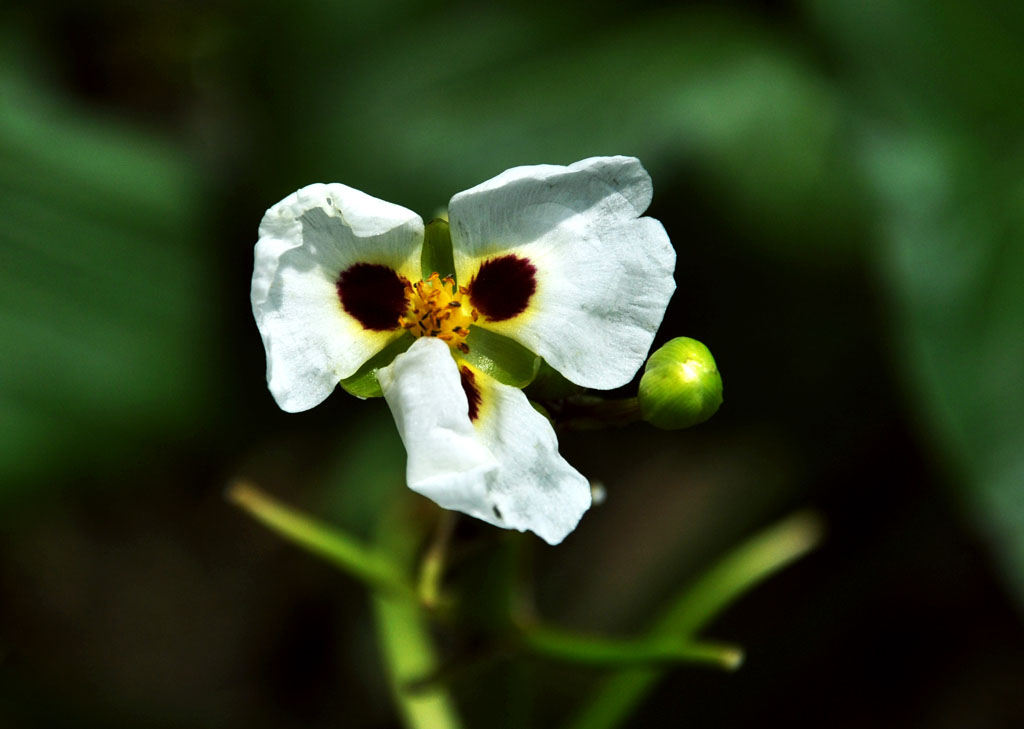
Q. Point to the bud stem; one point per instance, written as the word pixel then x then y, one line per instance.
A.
pixel 588 412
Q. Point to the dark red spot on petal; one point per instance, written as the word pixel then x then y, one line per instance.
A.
pixel 373 294
pixel 472 391
pixel 502 287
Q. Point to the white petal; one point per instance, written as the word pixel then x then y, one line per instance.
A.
pixel 534 488
pixel 604 275
pixel 504 468
pixel 306 241
pixel 446 461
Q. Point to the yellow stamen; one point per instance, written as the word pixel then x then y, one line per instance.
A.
pixel 438 308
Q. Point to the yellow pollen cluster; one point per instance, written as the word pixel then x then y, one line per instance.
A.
pixel 438 308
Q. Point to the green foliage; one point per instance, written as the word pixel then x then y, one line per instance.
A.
pixel 712 91
pixel 105 286
pixel 942 153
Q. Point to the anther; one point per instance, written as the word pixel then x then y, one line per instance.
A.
pixel 436 308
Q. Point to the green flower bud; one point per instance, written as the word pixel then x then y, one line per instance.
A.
pixel 681 385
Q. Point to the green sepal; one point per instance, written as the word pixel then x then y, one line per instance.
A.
pixel 363 383
pixel 504 359
pixel 550 384
pixel 437 250
pixel 543 411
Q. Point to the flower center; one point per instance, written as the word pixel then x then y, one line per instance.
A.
pixel 439 308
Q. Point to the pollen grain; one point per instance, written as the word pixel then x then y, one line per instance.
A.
pixel 439 308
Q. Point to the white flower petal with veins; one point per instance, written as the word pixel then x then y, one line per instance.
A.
pixel 534 488
pixel 306 241
pixel 503 468
pixel 603 274
pixel 446 461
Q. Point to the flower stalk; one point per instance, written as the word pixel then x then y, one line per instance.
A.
pixel 402 625
pixel 600 651
pixel 344 551
pixel 734 575
pixel 403 633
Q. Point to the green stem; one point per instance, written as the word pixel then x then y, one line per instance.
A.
pixel 342 550
pixel 599 651
pixel 589 412
pixel 432 565
pixel 401 624
pixel 405 640
pixel 739 571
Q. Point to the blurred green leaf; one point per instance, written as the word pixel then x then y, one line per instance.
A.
pixel 953 260
pixel 104 287
pixel 946 59
pixel 942 148
pixel 725 97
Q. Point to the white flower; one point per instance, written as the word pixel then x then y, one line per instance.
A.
pixel 557 258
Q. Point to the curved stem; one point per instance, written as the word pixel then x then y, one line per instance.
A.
pixel 739 571
pixel 402 628
pixel 344 551
pixel 404 636
pixel 600 651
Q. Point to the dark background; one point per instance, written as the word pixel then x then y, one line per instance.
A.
pixel 843 183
